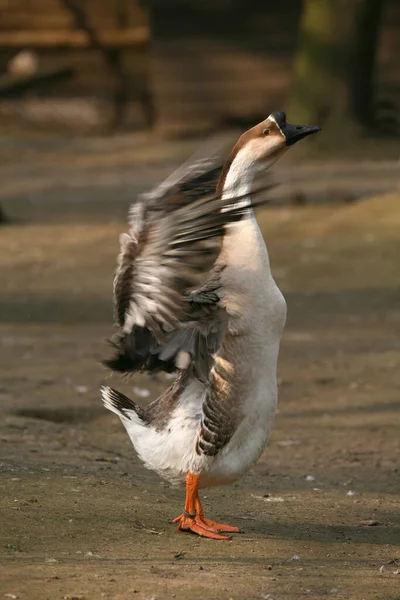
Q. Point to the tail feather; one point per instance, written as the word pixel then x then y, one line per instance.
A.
pixel 121 405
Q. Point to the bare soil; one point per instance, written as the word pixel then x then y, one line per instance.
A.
pixel 81 518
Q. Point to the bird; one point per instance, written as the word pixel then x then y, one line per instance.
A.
pixel 194 294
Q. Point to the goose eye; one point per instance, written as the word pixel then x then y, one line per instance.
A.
pixel 266 131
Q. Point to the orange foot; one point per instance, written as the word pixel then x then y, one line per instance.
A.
pixel 199 526
pixel 193 519
pixel 220 526
pixel 212 524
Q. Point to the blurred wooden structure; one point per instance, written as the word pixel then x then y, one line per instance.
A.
pixel 14 85
pixel 47 23
pixel 49 28
pixel 209 62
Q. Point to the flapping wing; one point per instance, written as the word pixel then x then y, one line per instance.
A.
pixel 167 287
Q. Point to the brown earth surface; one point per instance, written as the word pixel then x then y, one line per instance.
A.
pixel 81 518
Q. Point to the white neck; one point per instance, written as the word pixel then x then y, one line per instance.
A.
pixel 240 177
pixel 243 239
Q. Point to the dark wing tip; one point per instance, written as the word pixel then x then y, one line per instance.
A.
pixel 131 351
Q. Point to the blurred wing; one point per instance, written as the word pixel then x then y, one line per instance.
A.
pixel 167 288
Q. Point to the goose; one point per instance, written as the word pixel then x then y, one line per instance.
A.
pixel 194 294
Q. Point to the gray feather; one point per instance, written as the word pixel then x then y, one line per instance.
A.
pixel 167 289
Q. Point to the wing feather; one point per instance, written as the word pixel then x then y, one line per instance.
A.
pixel 167 288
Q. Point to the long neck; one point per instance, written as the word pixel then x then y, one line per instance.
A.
pixel 237 177
pixel 242 240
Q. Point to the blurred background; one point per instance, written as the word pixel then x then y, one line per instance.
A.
pixel 190 67
pixel 100 100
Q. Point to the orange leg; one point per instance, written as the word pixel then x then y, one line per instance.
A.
pixel 193 519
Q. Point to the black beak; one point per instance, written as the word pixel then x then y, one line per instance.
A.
pixel 294 133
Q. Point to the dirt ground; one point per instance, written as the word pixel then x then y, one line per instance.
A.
pixel 81 518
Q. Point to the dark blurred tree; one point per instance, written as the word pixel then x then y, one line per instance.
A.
pixel 333 75
pixel 369 18
pixel 3 218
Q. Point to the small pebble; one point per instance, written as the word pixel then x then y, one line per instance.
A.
pixel 92 555
pixel 81 389
pixel 289 442
pixel 141 392
pixel 369 523
pixel 273 499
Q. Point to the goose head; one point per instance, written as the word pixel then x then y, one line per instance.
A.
pixel 259 148
pixel 267 141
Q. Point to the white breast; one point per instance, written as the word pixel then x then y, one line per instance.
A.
pixel 258 314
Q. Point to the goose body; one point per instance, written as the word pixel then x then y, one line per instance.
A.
pixel 250 352
pixel 213 423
